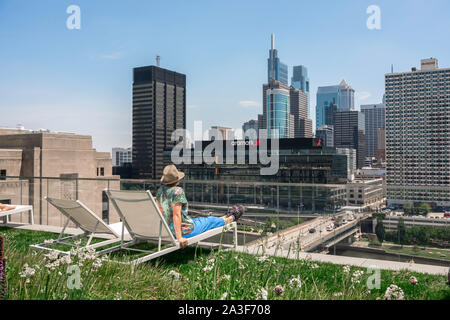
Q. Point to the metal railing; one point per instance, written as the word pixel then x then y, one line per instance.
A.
pixel 262 199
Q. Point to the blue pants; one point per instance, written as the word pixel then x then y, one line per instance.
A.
pixel 204 224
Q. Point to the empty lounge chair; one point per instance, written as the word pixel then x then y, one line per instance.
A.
pixel 86 220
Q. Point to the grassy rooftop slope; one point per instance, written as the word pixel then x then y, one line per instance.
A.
pixel 195 273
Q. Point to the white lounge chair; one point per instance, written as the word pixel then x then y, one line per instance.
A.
pixel 145 223
pixel 86 220
pixel 18 209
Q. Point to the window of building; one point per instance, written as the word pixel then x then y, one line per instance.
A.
pixel 3 174
pixel 102 171
pixel 105 207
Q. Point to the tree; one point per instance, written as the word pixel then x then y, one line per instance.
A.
pixel 401 231
pixel 380 230
pixel 423 209
pixel 408 208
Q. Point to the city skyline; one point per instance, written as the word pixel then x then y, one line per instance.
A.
pixel 79 80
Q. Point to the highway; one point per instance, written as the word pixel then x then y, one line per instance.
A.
pixel 290 238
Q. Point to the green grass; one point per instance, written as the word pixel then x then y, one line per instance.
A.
pixel 238 275
pixel 409 250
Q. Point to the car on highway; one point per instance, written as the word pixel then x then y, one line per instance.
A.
pixel 329 228
pixel 312 230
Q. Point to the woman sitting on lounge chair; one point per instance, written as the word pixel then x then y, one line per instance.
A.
pixel 4 207
pixel 174 206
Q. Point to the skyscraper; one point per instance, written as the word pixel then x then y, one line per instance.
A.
pixel 276 70
pixel 247 128
pixel 276 109
pixel 121 156
pixel 225 132
pixel 349 129
pixel 159 108
pixel 326 133
pixel 299 109
pixel 375 117
pixel 342 96
pixel 347 97
pixel 300 81
pixel 418 135
pixel 381 145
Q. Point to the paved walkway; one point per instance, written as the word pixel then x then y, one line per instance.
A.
pixel 357 262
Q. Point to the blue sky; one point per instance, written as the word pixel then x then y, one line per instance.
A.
pixel 80 80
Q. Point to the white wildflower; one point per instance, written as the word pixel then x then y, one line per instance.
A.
pixel 65 260
pixel 394 292
pixel 97 264
pixel 227 277
pixel 175 275
pixel 207 268
pixel 346 269
pixel 27 272
pixel 224 296
pixel 262 258
pixel 53 255
pixel 338 294
pixel 295 283
pixel 356 277
pixel 315 266
pixel 261 294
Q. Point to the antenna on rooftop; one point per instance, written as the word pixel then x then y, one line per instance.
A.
pixel 158 58
pixel 392 68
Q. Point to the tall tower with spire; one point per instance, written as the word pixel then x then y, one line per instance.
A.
pixel 277 70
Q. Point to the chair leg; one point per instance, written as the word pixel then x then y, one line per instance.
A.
pixel 235 237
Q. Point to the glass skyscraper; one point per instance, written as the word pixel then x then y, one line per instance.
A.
pixel 276 70
pixel 342 96
pixel 300 81
pixel 325 97
pixel 277 111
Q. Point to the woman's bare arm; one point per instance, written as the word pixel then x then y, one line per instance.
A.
pixel 176 209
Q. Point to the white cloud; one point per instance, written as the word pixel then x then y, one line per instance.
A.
pixel 248 104
pixel 363 95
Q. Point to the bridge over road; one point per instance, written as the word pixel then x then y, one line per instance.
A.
pixel 299 238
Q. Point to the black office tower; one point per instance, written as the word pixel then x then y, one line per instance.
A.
pixel 159 108
pixel 349 132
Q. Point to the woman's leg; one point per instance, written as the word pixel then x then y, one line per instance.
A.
pixel 204 224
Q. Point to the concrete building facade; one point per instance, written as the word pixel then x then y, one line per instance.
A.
pixel 74 168
pixel 375 118
pixel 418 135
